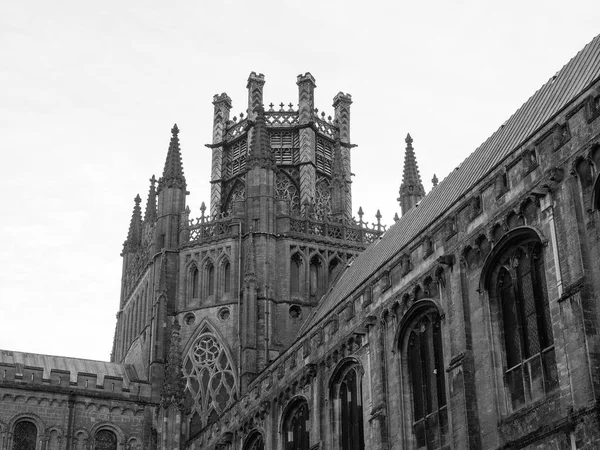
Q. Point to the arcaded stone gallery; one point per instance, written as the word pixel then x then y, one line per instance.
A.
pixel 280 320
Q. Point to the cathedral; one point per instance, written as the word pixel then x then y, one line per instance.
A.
pixel 278 320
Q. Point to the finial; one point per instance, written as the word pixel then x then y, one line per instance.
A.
pixel 137 199
pixel 202 210
pixel 378 217
pixel 408 140
pixel 173 171
pixel 360 215
pixel 175 130
pixel 396 218
pixel 434 180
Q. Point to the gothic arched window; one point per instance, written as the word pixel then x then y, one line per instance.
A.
pixel 517 285
pixel 255 441
pixel 226 277
pixel 210 378
pixel 105 440
pixel 316 277
pixel 295 271
pixel 210 278
pixel 195 275
pixel 346 392
pixel 25 436
pixel 425 363
pixel 295 427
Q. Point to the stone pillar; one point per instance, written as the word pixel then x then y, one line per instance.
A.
pixel 341 105
pixel 222 105
pixel 306 108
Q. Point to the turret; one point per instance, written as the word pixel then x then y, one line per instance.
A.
pixel 341 104
pixel 171 197
pixel 411 189
pixel 222 104
pixel 306 107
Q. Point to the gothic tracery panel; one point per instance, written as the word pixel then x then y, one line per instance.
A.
pixel 210 378
pixel 287 190
pixel 322 199
pixel 238 192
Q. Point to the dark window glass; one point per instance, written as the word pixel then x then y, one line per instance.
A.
pixel 295 430
pixel 426 374
pixel 194 282
pixel 295 265
pixel 227 277
pixel 520 286
pixel 105 440
pixel 210 275
pixel 351 416
pixel 25 436
pixel 255 442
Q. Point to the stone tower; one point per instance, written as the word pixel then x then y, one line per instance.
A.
pixel 227 292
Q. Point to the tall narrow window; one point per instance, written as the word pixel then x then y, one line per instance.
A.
pixel 295 428
pixel 226 277
pixel 316 277
pixel 25 436
pixel 426 378
pixel 295 265
pixel 105 440
pixel 195 280
pixel 210 278
pixel 255 441
pixel 348 414
pixel 518 284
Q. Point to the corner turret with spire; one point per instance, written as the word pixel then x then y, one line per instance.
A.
pixel 411 189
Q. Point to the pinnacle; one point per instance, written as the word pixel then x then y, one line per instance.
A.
pixel 409 139
pixel 260 146
pixel 150 213
pixel 173 171
pixel 134 236
pixel 411 189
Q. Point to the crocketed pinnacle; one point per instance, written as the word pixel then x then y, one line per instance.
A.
pixel 134 236
pixel 150 213
pixel 174 382
pixel 411 189
pixel 260 146
pixel 173 172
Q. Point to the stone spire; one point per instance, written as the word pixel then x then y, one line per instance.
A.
pixel 173 171
pixel 174 383
pixel 134 236
pixel 150 213
pixel 260 146
pixel 411 189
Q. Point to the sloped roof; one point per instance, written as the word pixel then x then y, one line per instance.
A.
pixel 561 90
pixel 73 365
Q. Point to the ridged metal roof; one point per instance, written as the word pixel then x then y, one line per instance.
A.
pixel 73 365
pixel 561 90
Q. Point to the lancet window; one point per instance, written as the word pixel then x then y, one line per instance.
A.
pixel 209 272
pixel 518 287
pixel 295 427
pixel 195 281
pixel 347 408
pixel 423 353
pixel 226 277
pixel 295 273
pixel 285 189
pixel 25 436
pixel 255 441
pixel 105 440
pixel 210 378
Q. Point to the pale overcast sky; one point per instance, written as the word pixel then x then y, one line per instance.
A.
pixel 90 90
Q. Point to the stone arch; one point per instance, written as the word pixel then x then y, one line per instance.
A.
pixel 134 442
pixel 287 189
pixel 419 342
pixel 316 276
pixel 297 272
pixel 291 404
pixel 110 426
pixel 224 274
pixel 237 192
pixel 255 440
pixel 345 383
pixel 210 374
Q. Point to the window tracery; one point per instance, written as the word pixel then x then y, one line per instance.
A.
pixel 105 440
pixel 426 381
pixel 255 442
pixel 518 284
pixel 322 199
pixel 238 193
pixel 210 379
pixel 295 427
pixel 25 436
pixel 347 404
pixel 285 189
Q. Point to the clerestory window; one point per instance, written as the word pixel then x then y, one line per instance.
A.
pixel 518 285
pixel 295 427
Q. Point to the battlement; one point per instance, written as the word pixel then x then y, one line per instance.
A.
pixel 57 372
